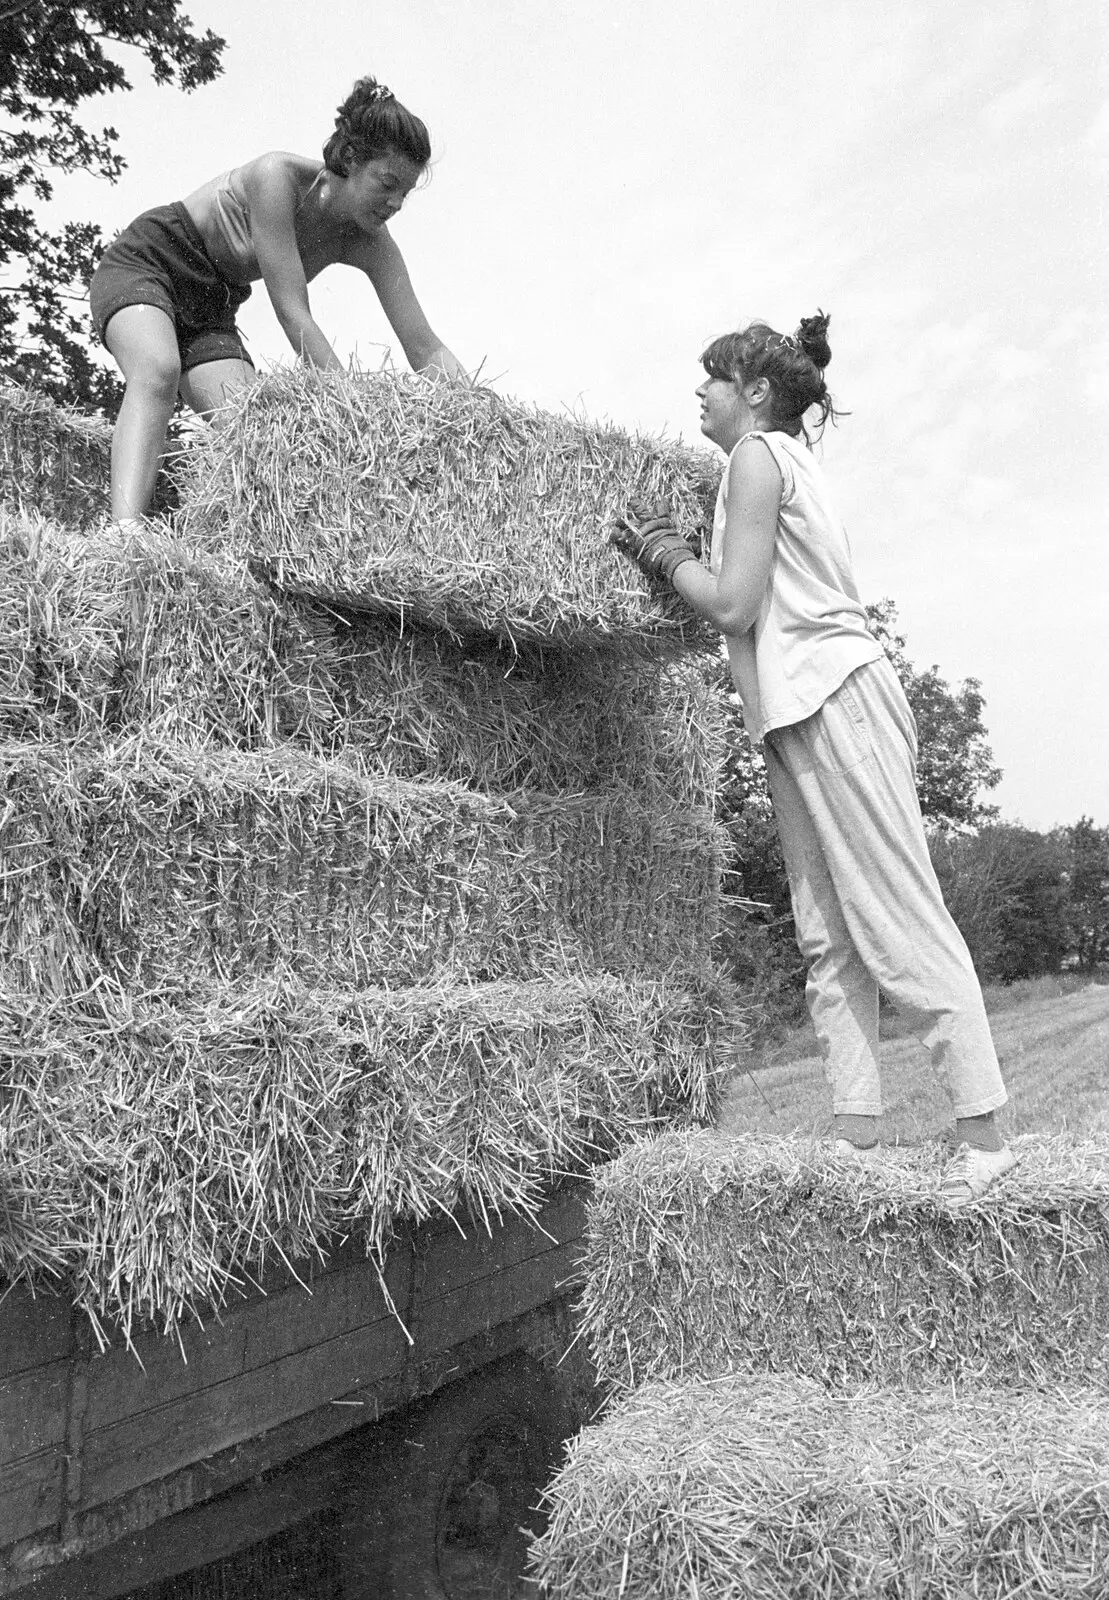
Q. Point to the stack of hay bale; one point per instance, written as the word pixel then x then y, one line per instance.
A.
pixel 54 460
pixel 357 858
pixel 827 1384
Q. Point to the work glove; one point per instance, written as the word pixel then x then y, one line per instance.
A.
pixel 652 540
pixel 641 510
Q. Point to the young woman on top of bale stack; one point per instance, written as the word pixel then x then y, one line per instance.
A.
pixel 165 294
pixel 839 740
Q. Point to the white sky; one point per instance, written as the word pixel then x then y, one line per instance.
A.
pixel 616 181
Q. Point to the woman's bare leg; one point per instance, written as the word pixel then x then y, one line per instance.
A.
pixel 207 387
pixel 143 343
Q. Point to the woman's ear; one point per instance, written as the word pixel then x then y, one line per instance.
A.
pixel 757 392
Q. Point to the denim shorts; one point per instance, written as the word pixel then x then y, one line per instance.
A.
pixel 160 260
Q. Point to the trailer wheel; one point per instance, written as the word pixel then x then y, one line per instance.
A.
pixel 449 1514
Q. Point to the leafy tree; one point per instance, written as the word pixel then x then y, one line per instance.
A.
pixel 52 58
pixel 955 764
pixel 1034 924
pixel 1087 849
pixel 1007 888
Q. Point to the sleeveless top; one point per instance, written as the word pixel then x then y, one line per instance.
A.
pixel 810 632
pixel 233 248
pixel 230 243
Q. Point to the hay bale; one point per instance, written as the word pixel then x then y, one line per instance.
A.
pixel 774 1489
pixel 709 1255
pixel 101 637
pixel 445 504
pixel 102 634
pixel 421 704
pixel 144 860
pixel 160 1148
pixel 54 460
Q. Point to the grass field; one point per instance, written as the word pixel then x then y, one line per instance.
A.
pixel 1052 1038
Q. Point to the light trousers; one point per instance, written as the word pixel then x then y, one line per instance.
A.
pixel 868 908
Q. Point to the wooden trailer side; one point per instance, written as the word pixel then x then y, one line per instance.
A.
pixel 98 1447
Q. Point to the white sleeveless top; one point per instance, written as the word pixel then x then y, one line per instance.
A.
pixel 810 632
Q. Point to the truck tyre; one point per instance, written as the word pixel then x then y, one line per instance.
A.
pixel 448 1513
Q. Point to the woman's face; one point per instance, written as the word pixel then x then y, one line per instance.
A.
pixel 723 409
pixel 730 409
pixel 374 191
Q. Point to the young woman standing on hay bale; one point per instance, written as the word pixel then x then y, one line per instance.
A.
pixel 839 741
pixel 165 294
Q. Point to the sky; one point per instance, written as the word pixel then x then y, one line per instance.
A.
pixel 615 183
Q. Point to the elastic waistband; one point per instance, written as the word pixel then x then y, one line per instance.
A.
pixel 172 219
pixel 181 214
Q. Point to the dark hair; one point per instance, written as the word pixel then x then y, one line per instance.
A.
pixel 372 121
pixel 793 364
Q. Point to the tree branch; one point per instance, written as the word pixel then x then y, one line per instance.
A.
pixel 27 292
pixel 60 56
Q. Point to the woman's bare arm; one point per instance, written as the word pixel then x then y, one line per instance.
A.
pixel 273 194
pixel 380 259
pixel 731 601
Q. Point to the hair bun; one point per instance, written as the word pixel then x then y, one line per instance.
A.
pixel 812 336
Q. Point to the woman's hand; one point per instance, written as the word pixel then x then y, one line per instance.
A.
pixel 445 365
pixel 655 543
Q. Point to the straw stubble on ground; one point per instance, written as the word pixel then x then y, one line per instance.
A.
pixel 777 1489
pixel 1052 1041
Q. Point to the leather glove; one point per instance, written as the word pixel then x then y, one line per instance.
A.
pixel 655 545
pixel 642 510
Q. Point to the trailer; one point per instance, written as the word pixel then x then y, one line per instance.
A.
pixel 410 1415
pixel 334 897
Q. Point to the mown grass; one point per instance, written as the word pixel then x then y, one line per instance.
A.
pixel 1052 1038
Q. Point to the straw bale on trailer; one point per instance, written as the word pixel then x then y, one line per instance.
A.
pixel 421 704
pixel 101 633
pixel 101 636
pixel 149 860
pixel 54 460
pixel 158 1149
pixel 775 1489
pixel 446 504
pixel 708 1255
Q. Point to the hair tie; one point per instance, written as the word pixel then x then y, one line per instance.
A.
pixel 380 92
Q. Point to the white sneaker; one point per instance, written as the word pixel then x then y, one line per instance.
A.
pixel 970 1172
